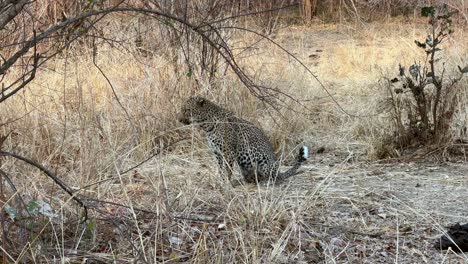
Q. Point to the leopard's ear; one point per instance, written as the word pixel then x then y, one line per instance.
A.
pixel 201 101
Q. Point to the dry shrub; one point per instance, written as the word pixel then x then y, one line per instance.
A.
pixel 426 96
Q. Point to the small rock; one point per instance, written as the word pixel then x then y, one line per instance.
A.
pixel 337 242
pixel 175 241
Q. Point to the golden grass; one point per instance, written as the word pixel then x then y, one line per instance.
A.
pixel 70 121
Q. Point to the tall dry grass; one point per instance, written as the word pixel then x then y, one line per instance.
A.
pixel 371 10
pixel 70 120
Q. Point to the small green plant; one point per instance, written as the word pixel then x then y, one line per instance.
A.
pixel 424 97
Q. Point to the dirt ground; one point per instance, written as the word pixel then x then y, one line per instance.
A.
pixel 384 213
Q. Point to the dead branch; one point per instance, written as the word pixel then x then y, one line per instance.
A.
pixel 127 114
pixel 32 75
pixel 204 30
pixel 136 166
pixel 145 211
pixel 9 9
pixel 51 175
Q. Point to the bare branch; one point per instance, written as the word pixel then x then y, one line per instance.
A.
pixel 134 167
pixel 204 31
pixel 51 175
pixel 9 10
pixel 4 96
pixel 129 118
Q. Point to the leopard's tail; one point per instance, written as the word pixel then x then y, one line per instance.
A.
pixel 300 158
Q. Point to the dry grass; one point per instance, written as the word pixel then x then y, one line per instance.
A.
pixel 338 211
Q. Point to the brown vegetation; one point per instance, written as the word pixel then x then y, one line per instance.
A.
pixel 99 113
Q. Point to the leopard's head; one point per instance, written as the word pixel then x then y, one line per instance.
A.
pixel 196 110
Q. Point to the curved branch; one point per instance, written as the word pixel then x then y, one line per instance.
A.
pixel 51 175
pixel 222 48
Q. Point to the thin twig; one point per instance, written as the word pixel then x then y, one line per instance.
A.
pixel 2 197
pixel 129 118
pixel 133 167
pixel 141 210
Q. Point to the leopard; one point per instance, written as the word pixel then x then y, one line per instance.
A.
pixel 234 140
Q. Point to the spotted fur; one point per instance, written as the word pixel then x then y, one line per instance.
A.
pixel 235 140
